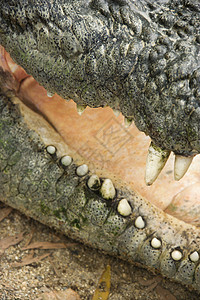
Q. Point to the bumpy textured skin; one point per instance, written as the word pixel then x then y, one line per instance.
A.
pixel 35 184
pixel 141 57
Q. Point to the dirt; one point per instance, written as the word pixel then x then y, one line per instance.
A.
pixel 76 267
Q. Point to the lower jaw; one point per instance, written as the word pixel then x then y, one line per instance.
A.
pixel 97 139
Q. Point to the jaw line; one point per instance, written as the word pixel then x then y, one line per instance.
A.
pixel 101 148
pixel 174 234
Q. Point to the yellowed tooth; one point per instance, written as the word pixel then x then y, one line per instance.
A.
pixel 127 122
pixel 116 112
pixel 156 159
pixel 181 166
pixel 94 182
pixel 107 189
pixel 124 208
pixel 51 149
pixel 80 109
pixel 49 94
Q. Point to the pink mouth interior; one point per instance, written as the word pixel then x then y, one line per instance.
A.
pixel 101 140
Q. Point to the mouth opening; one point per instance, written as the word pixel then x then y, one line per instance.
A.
pixel 101 140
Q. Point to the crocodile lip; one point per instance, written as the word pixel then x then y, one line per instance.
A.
pixel 101 140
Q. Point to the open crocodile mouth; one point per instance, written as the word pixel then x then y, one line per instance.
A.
pixel 99 140
pixel 136 56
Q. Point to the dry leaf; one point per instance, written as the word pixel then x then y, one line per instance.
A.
pixel 4 212
pixel 151 281
pixel 103 288
pixel 29 259
pixel 151 284
pixel 48 245
pixel 69 294
pixel 11 241
pixel 164 294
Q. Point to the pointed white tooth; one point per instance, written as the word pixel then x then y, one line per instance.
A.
pixel 194 256
pixel 156 243
pixel 80 109
pixel 49 94
pixel 156 160
pixel 116 112
pixel 107 189
pixel 124 208
pixel 181 166
pixel 127 122
pixel 139 222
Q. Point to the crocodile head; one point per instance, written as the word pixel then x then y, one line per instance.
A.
pixel 137 57
pixel 140 59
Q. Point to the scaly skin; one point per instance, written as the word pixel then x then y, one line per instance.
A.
pixel 141 57
pixel 136 57
pixel 34 183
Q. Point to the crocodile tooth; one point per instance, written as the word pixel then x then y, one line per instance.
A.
pixel 181 166
pixel 66 160
pixel 124 208
pixel 116 112
pixel 82 170
pixel 49 94
pixel 94 182
pixel 80 109
pixel 51 149
pixel 156 160
pixel 127 122
pixel 156 243
pixel 194 256
pixel 139 222
pixel 107 189
pixel 176 255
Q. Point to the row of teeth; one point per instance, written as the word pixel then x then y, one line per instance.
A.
pixel 156 158
pixel 108 192
pixel 81 108
pixel 127 122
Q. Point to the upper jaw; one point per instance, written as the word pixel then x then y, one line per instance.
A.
pixel 156 158
pixel 137 58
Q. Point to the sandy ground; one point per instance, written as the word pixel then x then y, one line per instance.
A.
pixel 76 267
